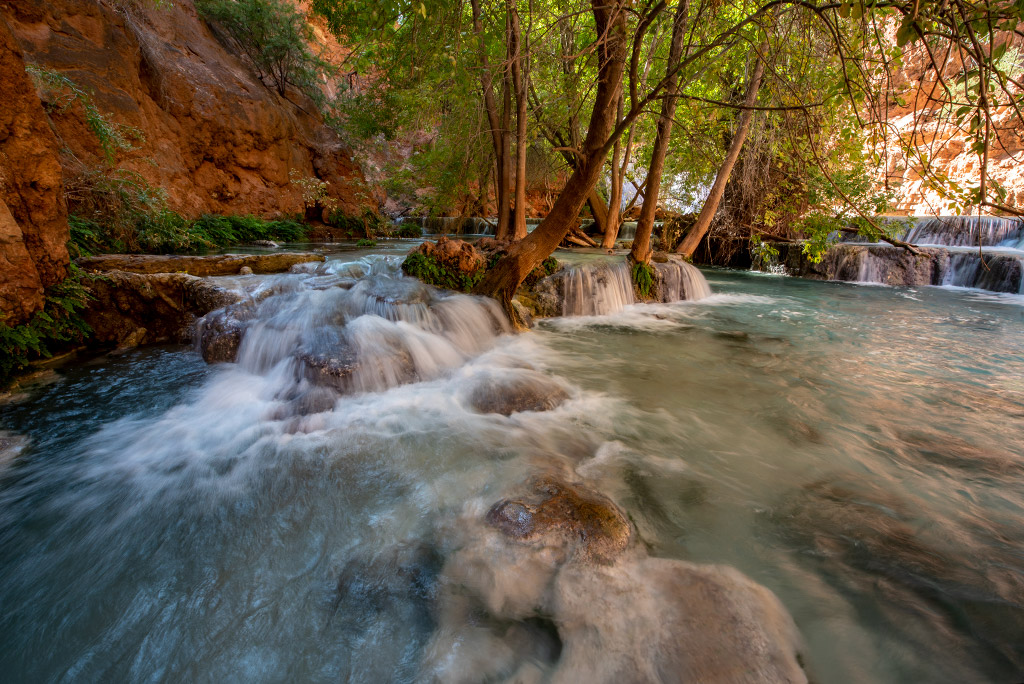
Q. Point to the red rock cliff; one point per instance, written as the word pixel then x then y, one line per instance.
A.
pixel 216 139
pixel 33 218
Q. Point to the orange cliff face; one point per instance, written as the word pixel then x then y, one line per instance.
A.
pixel 921 122
pixel 216 140
pixel 33 215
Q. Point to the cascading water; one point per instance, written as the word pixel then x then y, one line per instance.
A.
pixel 950 256
pixel 453 225
pixel 601 287
pixel 968 231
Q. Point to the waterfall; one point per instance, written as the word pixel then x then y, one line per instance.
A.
pixel 998 273
pixel 966 231
pixel 361 327
pixel 454 225
pixel 601 288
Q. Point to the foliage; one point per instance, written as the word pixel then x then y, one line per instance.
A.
pixel 643 279
pixel 363 242
pixel 166 231
pixel 59 321
pixel 409 230
pixel 60 93
pixel 314 190
pixel 762 251
pixel 430 271
pixel 275 37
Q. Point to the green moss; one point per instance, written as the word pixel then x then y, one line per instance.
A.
pixel 363 242
pixel 60 321
pixel 431 272
pixel 643 280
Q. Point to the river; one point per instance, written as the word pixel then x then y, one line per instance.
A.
pixel 859 450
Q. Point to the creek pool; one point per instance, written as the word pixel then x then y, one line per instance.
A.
pixel 858 450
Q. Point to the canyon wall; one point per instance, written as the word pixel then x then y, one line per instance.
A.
pixel 215 139
pixel 33 215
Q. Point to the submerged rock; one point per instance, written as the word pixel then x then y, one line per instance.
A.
pixel 11 446
pixel 579 518
pixel 521 390
pixel 562 555
pixel 214 265
pixel 869 539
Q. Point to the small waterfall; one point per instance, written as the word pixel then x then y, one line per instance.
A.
pixel 454 225
pixel 966 231
pixel 361 327
pixel 627 231
pixel 602 288
pixel 681 280
pixel 597 289
pixel 998 273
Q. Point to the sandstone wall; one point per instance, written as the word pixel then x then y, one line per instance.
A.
pixel 216 139
pixel 33 217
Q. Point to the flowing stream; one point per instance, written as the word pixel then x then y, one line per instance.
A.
pixel 857 450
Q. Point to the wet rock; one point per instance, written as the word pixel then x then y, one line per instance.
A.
pixel 219 334
pixel 245 270
pixel 563 554
pixel 11 446
pixel 164 306
pixel 214 265
pixel 516 392
pixel 334 367
pixel 581 518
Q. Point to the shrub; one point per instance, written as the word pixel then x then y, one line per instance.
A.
pixel 409 230
pixel 60 93
pixel 363 242
pixel 274 36
pixel 59 321
pixel 428 270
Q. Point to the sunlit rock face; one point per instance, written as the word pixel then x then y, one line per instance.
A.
pixel 948 147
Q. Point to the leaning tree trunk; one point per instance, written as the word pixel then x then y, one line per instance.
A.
pixel 689 244
pixel 504 279
pixel 641 250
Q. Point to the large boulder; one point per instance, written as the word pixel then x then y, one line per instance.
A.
pixel 33 214
pixel 130 309
pixel 549 584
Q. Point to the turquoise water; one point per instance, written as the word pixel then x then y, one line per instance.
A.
pixel 858 450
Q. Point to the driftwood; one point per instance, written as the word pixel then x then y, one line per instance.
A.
pixel 577 237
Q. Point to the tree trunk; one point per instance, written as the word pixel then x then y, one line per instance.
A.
pixel 611 231
pixel 498 138
pixel 519 76
pixel 689 244
pixel 598 209
pixel 504 279
pixel 641 250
